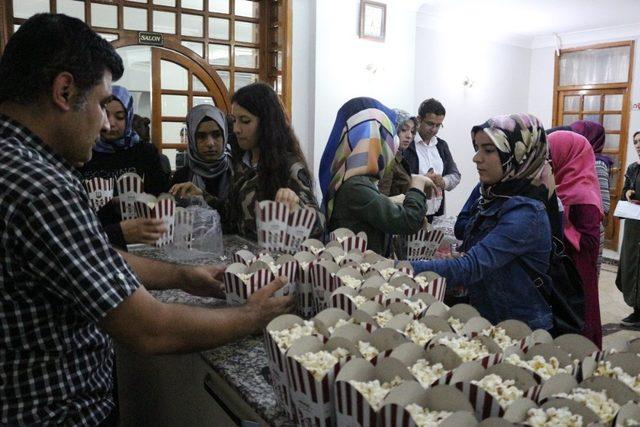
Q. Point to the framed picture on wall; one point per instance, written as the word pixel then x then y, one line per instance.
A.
pixel 373 20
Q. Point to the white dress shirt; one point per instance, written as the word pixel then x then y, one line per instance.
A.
pixel 428 156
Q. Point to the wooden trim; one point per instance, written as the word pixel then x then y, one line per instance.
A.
pixel 287 56
pixel 173 146
pixel 598 46
pixel 156 102
pixel 601 86
pixel 6 20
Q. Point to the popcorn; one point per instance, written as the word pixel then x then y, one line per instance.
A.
pixel 358 300
pixel 465 348
pixel 417 307
pixel 503 390
pixel 455 323
pixel 351 282
pixel 338 259
pixel 315 250
pixel 421 280
pixel 286 337
pixel 382 317
pixel 367 350
pixel 427 374
pixel 304 265
pixel 423 417
pixel 386 273
pixel 321 362
pixel 375 392
pixel 245 277
pixel 499 335
pixel 386 288
pixel 418 332
pixel 631 422
pixel 597 401
pixel 539 365
pixel 606 370
pixel 340 322
pixel 552 417
pixel 364 266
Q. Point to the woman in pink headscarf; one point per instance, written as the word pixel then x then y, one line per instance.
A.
pixel 578 189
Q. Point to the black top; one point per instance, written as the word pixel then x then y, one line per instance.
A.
pixel 217 187
pixel 142 159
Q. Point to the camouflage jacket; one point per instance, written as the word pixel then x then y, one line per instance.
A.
pixel 237 211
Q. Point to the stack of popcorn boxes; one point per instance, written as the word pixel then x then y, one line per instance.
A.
pixel 100 191
pixel 447 365
pixel 163 207
pixel 281 230
pixel 129 186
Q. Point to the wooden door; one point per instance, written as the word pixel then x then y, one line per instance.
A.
pixel 604 106
pixel 178 84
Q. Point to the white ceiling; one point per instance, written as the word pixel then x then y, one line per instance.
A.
pixel 531 18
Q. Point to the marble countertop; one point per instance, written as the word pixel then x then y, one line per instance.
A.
pixel 243 363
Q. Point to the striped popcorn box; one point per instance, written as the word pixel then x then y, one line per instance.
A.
pixel 271 225
pixel 490 395
pixel 576 345
pixel 279 335
pixel 432 283
pixel 162 207
pixel 306 306
pixel 241 281
pixel 326 320
pixel 244 256
pixel 430 366
pixel 373 346
pixel 589 418
pixel 629 363
pixel 323 282
pixel 128 187
pixel 357 390
pixel 287 266
pixel 614 389
pixel 443 404
pixel 543 353
pixel 628 414
pixel 420 331
pixel 312 367
pixel 183 227
pixel 100 191
pixel 300 224
pixel 423 244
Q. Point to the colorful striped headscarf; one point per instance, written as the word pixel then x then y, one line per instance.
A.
pixel 524 154
pixel 361 143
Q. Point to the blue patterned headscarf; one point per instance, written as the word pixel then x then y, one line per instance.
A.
pixel 130 137
pixel 361 143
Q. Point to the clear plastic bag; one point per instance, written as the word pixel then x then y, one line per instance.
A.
pixel 207 230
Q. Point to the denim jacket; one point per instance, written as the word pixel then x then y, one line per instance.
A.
pixel 497 241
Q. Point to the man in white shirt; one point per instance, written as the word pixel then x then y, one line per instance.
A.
pixel 429 155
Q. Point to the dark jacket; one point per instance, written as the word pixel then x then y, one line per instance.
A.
pixel 449 165
pixel 359 206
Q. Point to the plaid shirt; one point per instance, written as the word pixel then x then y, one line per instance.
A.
pixel 59 278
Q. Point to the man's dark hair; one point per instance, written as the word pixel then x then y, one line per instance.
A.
pixel 431 106
pixel 47 45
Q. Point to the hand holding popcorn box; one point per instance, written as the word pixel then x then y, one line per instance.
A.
pixel 241 281
pixel 312 368
pixel 162 207
pixel 361 387
pixel 100 191
pixel 128 187
pixel 408 405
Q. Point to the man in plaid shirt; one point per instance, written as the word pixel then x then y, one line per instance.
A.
pixel 63 288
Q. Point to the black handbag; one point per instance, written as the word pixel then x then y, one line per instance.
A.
pixel 562 289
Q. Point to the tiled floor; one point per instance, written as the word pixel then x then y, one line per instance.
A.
pixel 612 306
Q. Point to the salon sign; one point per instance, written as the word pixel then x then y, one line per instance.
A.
pixel 153 39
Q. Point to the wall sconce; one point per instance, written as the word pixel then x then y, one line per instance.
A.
pixel 371 68
pixel 467 82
